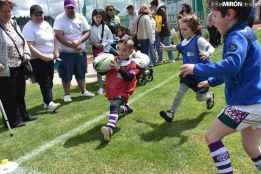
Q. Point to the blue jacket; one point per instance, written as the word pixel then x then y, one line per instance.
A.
pixel 190 53
pixel 240 67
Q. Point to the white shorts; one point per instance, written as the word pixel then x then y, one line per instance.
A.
pixel 241 117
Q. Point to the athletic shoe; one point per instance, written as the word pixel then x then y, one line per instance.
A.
pixel 167 115
pixel 129 110
pixel 67 98
pixel 106 132
pixel 53 106
pixel 100 91
pixel 125 109
pixel 87 94
pixel 171 61
pixel 210 102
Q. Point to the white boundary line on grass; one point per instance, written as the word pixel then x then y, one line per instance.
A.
pixel 75 131
pixel 23 170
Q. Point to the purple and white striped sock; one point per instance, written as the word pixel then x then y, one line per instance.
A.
pixel 112 120
pixel 257 162
pixel 221 157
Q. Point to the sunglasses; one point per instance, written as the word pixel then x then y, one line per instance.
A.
pixel 38 14
pixel 70 8
pixel 110 9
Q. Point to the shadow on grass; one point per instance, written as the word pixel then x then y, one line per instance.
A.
pixel 93 87
pixel 91 135
pixel 174 129
pixel 2 128
pixel 39 110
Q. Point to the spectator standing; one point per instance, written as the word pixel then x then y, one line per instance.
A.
pixel 132 18
pixel 14 50
pixel 72 31
pixel 111 19
pixel 162 33
pixel 144 30
pixel 214 35
pixel 40 38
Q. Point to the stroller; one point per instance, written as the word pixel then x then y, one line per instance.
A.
pixel 145 76
pixel 143 60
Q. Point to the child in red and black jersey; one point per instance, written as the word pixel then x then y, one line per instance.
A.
pixel 120 83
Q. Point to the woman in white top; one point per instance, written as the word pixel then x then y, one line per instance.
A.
pixel 40 38
pixel 144 30
pixel 101 38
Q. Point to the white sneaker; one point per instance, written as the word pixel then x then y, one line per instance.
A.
pixel 87 94
pixel 100 91
pixel 106 132
pixel 67 98
pixel 53 106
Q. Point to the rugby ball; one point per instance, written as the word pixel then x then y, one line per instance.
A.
pixel 104 62
pixel 141 59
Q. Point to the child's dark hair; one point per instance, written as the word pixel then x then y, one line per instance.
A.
pixel 154 3
pixel 242 12
pixel 98 12
pixel 123 29
pixel 186 8
pixel 127 42
pixel 193 23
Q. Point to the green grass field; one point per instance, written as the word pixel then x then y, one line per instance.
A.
pixel 143 143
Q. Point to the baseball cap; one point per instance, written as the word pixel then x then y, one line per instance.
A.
pixel 129 6
pixel 36 9
pixel 69 3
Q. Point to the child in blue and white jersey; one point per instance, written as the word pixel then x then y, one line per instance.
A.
pixel 195 49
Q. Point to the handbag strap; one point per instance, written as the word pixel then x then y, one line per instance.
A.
pixel 137 29
pixel 12 39
pixel 102 34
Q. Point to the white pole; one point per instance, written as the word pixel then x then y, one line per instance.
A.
pixel 5 118
pixel 48 12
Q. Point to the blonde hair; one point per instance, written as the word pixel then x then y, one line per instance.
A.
pixel 144 9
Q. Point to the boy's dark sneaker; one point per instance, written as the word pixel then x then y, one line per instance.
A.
pixel 129 110
pixel 211 101
pixel 167 115
pixel 125 109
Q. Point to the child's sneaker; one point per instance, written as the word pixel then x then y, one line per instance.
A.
pixel 167 115
pixel 67 98
pixel 210 102
pixel 106 132
pixel 125 109
pixel 129 110
pixel 87 94
pixel 53 106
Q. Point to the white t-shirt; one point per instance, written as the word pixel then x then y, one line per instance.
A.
pixel 41 34
pixel 107 40
pixel 132 20
pixel 72 28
